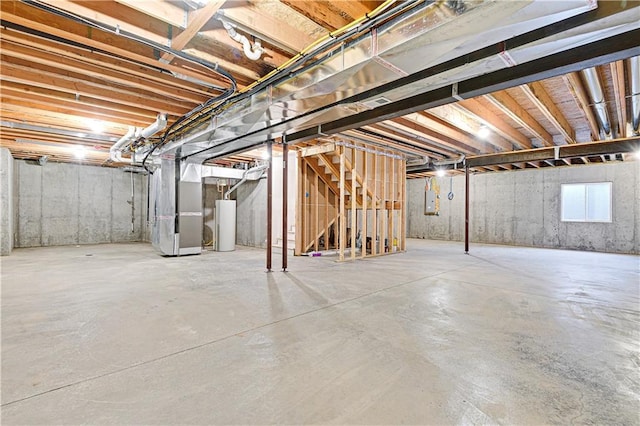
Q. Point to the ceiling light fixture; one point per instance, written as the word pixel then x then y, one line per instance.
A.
pixel 79 151
pixel 483 132
pixel 637 154
pixel 96 126
pixel 441 173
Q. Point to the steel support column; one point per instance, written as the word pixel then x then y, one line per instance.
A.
pixel 466 208
pixel 269 203
pixel 285 197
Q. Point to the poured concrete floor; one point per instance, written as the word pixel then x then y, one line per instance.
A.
pixel 115 334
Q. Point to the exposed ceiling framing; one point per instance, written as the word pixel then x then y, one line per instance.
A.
pixel 60 77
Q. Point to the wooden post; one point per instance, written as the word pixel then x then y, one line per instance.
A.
pixel 326 217
pixel 343 224
pixel 305 212
pixel 374 205
pixel 383 230
pixel 315 196
pixel 354 204
pixel 365 204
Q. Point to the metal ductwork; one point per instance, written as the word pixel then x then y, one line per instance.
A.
pixel 346 81
pixel 599 102
pixel 635 94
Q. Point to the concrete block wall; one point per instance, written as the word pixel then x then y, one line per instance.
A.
pixel 523 208
pixel 61 204
pixel 6 202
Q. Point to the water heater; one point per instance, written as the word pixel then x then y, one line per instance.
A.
pixel 225 225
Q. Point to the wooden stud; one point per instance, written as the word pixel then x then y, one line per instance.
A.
pixel 383 205
pixel 392 191
pixel 326 216
pixel 374 205
pixel 365 203
pixel 315 203
pixel 354 203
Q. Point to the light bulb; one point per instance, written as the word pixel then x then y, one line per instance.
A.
pixel 483 132
pixel 441 173
pixel 79 151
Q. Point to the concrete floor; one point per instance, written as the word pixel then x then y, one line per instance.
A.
pixel 115 334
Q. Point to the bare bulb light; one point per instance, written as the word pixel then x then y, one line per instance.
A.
pixel 96 126
pixel 79 151
pixel 441 173
pixel 483 132
pixel 637 154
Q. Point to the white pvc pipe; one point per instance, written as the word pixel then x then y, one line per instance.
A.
pixel 251 53
pixel 116 149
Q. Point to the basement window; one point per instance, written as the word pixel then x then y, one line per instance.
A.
pixel 586 202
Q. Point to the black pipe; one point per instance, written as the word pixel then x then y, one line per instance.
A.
pixel 466 209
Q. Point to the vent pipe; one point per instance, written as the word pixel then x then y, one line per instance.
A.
pixel 635 94
pixel 245 176
pixel 597 97
pixel 115 152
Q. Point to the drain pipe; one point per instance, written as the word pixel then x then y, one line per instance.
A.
pixel 245 176
pixel 635 94
pixel 251 53
pixel 599 102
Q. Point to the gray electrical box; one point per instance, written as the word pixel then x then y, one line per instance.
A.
pixel 430 202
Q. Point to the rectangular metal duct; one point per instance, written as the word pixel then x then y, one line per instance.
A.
pixel 430 35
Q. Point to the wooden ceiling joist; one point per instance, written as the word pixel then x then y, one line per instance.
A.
pixel 514 111
pixel 541 99
pixel 582 100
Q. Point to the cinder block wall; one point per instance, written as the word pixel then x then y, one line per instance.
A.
pixel 61 204
pixel 523 208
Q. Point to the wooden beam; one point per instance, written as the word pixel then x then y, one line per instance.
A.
pixel 53 61
pixel 269 28
pixel 161 10
pixel 105 61
pixel 69 84
pixel 420 131
pixel 536 93
pixel 113 15
pixel 84 105
pixel 503 101
pixel 481 113
pixel 319 13
pixel 197 20
pixel 582 99
pixel 97 39
pixel 317 149
pixel 619 90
